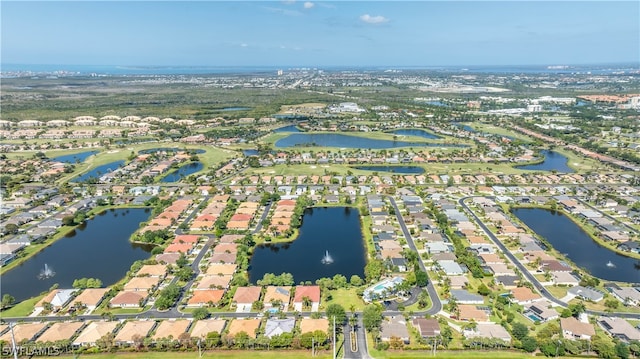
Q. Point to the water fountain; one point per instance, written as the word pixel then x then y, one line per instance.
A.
pixel 327 258
pixel 46 272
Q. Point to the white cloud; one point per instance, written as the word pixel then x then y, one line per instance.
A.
pixel 289 2
pixel 243 45
pixel 308 5
pixel 379 19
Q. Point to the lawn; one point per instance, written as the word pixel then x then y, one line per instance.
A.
pixel 225 354
pixel 21 309
pixel 346 298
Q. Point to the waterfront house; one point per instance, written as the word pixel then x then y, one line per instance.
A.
pixel 144 284
pixel 586 293
pixel 90 297
pixel 627 295
pixel 311 292
pixel 57 298
pixel 244 298
pixel 277 294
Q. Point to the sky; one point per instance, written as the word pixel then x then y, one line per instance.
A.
pixel 319 33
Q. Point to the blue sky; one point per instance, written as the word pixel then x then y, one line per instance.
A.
pixel 315 33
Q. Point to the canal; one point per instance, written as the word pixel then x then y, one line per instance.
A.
pixel 568 238
pixel 98 249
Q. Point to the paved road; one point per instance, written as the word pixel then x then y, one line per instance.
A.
pixel 362 351
pixel 267 208
pixel 525 271
pixel 436 304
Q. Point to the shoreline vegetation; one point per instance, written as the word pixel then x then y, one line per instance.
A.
pixel 34 249
pixel 585 228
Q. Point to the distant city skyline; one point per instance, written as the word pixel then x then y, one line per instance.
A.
pixel 320 33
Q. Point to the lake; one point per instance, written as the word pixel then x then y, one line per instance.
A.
pixel 182 172
pixel 250 152
pixel 346 141
pixel 98 249
pixel 416 132
pixel 99 171
pixel 332 229
pixel 231 109
pixel 553 161
pixel 567 238
pixel 464 127
pixel 393 169
pixel 170 149
pixel 290 128
pixel 74 158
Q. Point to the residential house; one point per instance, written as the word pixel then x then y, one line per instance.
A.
pixel 244 298
pixel 276 326
pixel 394 327
pixel 619 328
pixel 428 328
pixel 277 298
pixel 310 293
pixel 93 332
pixel 573 329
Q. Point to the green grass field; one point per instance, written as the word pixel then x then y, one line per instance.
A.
pixel 21 309
pixel 265 354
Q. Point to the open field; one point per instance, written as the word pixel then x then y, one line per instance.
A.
pixel 225 354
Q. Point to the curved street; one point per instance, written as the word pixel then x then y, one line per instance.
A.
pixel 525 272
pixel 436 304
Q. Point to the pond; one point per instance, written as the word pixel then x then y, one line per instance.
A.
pixel 182 172
pixel 170 149
pixel 553 161
pixel 568 238
pixel 464 127
pixel 74 158
pixel 99 171
pixel 98 249
pixel 234 109
pixel 332 230
pixel 393 169
pixel 290 128
pixel 417 132
pixel 250 152
pixel 346 141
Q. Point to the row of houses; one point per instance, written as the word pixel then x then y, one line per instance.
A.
pixel 80 333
